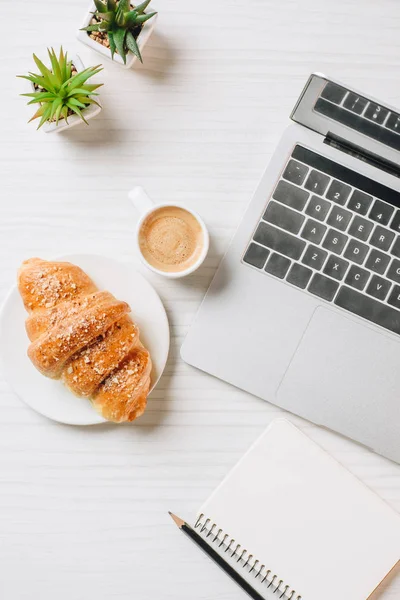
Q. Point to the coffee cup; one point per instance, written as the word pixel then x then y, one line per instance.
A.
pixel 171 239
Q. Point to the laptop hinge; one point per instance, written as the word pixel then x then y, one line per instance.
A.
pixel 362 154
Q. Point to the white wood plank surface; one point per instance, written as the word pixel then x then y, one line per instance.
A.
pixel 83 511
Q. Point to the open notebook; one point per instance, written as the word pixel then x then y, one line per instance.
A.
pixel 291 515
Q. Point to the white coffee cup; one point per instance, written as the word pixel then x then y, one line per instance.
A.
pixel 145 206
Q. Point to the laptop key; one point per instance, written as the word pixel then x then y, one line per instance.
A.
pixel 336 267
pixel 335 241
pixel 290 195
pixel 377 262
pixel 314 257
pixel 381 212
pixel 376 113
pixel 356 251
pixel 299 275
pixel 323 287
pixel 295 172
pixel 382 238
pixel 395 224
pixel 360 202
pixel 278 240
pixel 338 192
pixel 378 287
pixel 313 231
pixel 357 277
pixel 256 255
pixel 339 218
pixel 393 122
pixel 361 228
pixel 394 271
pixel 318 208
pixel 368 308
pixel 277 265
pixel 355 103
pixel 396 247
pixel 333 92
pixel 317 182
pixel 284 217
pixel 394 298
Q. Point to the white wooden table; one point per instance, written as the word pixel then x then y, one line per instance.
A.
pixel 83 511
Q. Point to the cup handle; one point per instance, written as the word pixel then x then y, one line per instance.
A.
pixel 140 200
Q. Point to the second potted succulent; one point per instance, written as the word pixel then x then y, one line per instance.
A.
pixel 117 29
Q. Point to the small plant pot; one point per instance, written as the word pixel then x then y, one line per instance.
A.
pixel 131 58
pixel 91 111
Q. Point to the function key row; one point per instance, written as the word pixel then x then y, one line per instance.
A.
pixel 361 106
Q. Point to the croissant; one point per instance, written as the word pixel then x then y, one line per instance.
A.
pixel 85 337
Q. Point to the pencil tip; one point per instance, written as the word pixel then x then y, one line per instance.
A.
pixel 176 519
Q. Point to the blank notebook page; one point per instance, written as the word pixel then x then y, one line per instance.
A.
pixel 303 515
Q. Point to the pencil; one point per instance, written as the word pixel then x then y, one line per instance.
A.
pixel 211 553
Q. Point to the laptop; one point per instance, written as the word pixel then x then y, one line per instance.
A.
pixel 304 310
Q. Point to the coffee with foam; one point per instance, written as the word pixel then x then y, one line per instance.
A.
pixel 171 239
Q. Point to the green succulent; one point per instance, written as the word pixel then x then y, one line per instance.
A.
pixel 122 23
pixel 61 91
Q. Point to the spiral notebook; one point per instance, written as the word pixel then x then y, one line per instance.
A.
pixel 293 518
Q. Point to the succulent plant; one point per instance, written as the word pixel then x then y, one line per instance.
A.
pixel 122 24
pixel 60 91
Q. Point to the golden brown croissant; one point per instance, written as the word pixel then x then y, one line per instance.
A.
pixel 85 337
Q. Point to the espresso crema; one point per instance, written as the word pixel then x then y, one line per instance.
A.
pixel 171 239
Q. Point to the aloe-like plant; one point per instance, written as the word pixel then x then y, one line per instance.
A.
pixel 122 23
pixel 60 91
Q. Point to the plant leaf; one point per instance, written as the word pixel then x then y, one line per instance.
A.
pixel 62 59
pixel 131 18
pixel 112 43
pixel 64 112
pixel 92 86
pixel 111 5
pixel 119 39
pixel 75 102
pixel 132 45
pixel 76 110
pixel 94 27
pixel 143 18
pixel 38 113
pixel 57 102
pixel 50 79
pixel 58 112
pixel 84 92
pixel 38 79
pixel 88 101
pixel 101 6
pixel 77 80
pixel 42 98
pixel 55 65
pixel 141 7
pixel 46 115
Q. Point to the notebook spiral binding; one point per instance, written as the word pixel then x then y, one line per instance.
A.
pixel 272 581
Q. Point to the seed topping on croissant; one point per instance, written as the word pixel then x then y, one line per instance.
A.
pixel 85 337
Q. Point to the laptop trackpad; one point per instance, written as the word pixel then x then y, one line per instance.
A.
pixel 346 376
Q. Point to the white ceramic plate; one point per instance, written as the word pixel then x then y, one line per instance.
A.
pixel 50 397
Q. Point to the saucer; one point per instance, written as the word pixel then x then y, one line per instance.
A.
pixel 50 397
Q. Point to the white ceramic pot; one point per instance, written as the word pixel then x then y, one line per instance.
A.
pixel 131 58
pixel 91 111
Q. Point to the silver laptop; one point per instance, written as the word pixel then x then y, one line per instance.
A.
pixel 304 310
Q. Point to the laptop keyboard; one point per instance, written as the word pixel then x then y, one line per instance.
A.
pixel 333 233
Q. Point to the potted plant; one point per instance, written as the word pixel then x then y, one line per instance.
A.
pixel 117 29
pixel 63 96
